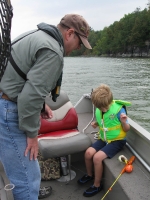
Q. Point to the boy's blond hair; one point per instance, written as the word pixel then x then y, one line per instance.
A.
pixel 102 96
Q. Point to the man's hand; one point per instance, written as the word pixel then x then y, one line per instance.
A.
pixel 32 148
pixel 48 113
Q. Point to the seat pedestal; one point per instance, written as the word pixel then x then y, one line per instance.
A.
pixel 71 175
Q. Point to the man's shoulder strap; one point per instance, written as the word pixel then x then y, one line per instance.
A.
pixel 11 60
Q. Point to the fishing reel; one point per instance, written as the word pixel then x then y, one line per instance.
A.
pixel 129 167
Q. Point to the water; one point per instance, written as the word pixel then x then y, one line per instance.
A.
pixel 128 79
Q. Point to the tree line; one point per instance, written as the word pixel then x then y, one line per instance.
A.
pixel 130 35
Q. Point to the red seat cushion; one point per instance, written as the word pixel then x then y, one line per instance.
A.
pixel 59 134
pixel 69 122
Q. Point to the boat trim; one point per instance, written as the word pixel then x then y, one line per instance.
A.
pixel 139 157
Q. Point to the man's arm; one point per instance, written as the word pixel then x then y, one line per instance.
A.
pixel 41 80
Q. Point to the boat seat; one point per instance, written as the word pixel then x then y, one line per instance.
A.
pixel 59 136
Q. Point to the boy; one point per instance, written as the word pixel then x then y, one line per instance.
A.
pixel 112 121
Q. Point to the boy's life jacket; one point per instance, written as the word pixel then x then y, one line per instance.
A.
pixel 110 128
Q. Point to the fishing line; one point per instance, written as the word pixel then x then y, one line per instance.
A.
pixel 90 121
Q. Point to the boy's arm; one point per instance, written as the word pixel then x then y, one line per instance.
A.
pixel 123 119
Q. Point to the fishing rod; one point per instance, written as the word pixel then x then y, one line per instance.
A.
pixel 127 168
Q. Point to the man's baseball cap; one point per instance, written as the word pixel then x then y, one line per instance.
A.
pixel 80 25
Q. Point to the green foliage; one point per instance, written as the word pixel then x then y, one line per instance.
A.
pixel 129 35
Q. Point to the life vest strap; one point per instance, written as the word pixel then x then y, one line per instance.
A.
pixel 111 128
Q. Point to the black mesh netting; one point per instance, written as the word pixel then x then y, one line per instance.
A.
pixel 6 15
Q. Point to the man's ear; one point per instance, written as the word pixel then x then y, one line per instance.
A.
pixel 69 33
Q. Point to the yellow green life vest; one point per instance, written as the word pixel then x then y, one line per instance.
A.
pixel 109 124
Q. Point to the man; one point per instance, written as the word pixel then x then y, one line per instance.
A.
pixel 35 65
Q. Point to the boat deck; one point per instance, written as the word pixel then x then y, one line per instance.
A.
pixel 71 190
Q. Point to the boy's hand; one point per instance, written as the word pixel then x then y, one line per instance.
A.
pixel 123 118
pixel 94 124
pixel 125 125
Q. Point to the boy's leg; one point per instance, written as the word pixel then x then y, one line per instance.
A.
pixel 98 167
pixel 89 166
pixel 89 160
pixel 108 150
pixel 90 152
pixel 112 148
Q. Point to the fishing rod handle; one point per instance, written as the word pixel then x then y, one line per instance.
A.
pixel 131 160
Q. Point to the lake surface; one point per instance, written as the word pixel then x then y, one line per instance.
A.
pixel 128 79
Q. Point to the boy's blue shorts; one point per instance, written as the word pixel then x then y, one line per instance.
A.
pixel 110 149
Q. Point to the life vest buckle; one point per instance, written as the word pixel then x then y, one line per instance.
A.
pixel 105 129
